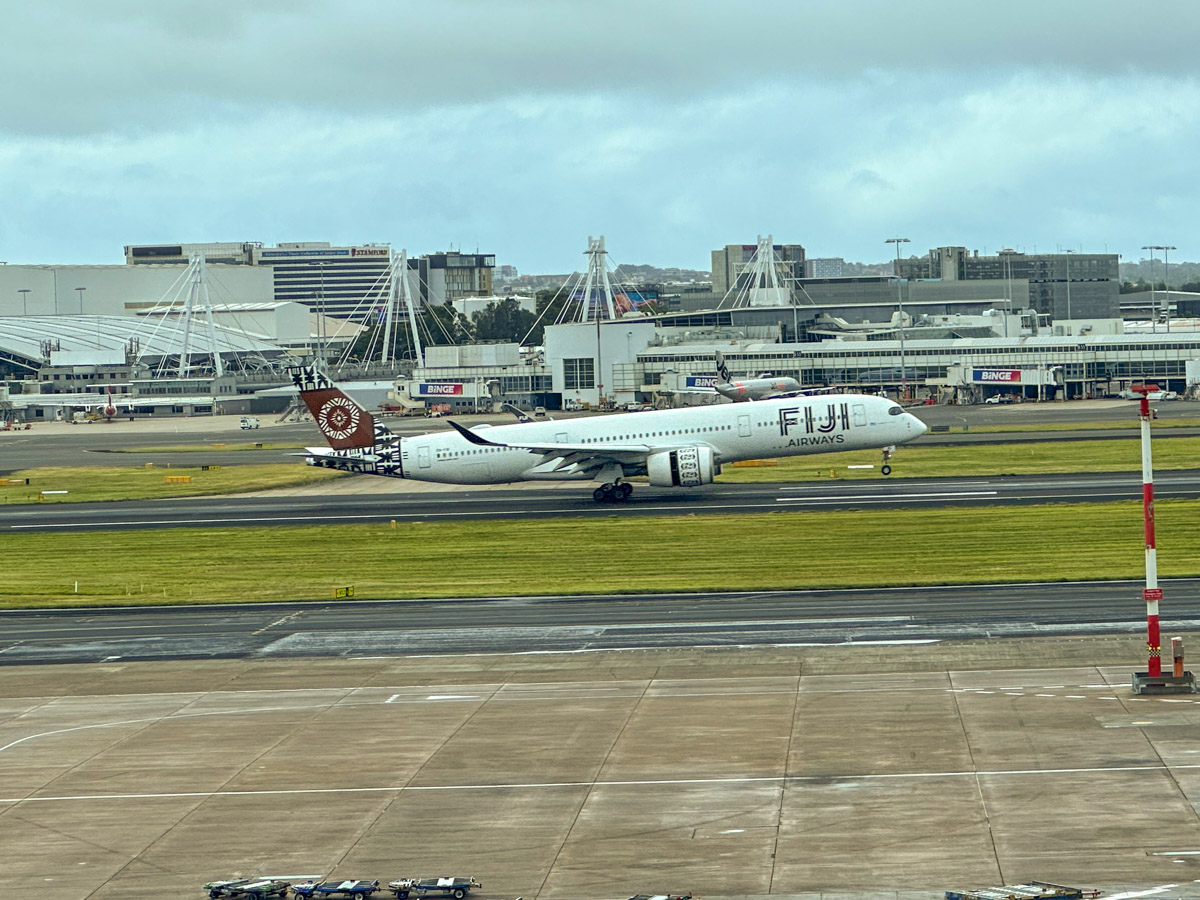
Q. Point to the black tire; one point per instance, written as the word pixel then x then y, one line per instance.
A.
pixel 459 893
pixel 600 495
pixel 623 491
pixel 886 470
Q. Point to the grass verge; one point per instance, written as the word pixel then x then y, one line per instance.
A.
pixel 933 461
pixel 200 448
pixel 1117 424
pixel 750 552
pixel 128 483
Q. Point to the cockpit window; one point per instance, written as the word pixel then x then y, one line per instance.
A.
pixel 895 411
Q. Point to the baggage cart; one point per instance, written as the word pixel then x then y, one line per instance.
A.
pixel 248 888
pixel 451 886
pixel 1032 890
pixel 353 889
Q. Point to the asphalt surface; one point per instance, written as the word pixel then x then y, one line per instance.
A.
pixel 532 503
pixel 559 624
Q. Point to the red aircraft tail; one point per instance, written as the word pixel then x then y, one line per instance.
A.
pixel 344 423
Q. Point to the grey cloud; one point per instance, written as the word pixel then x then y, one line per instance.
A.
pixel 85 67
pixel 867 179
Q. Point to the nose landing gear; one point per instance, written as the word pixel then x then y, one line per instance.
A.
pixel 612 493
pixel 886 468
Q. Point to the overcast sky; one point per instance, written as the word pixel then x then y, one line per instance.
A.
pixel 520 127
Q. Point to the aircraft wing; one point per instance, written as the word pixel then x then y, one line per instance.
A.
pixel 573 453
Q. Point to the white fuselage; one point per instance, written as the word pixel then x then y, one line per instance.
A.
pixel 757 388
pixel 786 426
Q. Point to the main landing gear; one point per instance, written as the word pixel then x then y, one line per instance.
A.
pixel 886 468
pixel 612 493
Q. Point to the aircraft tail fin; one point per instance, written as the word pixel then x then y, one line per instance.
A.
pixel 344 423
pixel 722 369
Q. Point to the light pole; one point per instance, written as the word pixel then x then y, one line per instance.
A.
pixel 81 290
pixel 24 292
pixel 1069 252
pixel 629 349
pixel 1167 287
pixel 900 303
pixel 1153 298
pixel 320 264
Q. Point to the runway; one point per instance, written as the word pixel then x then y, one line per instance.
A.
pixel 581 624
pixel 151 441
pixel 535 503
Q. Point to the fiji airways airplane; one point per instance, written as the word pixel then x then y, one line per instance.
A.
pixel 673 447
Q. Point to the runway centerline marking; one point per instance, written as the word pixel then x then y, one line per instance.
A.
pixel 898 498
pixel 654 782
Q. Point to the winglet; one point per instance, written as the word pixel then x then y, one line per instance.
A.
pixel 472 436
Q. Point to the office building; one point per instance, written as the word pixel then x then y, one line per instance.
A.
pixel 1063 285
pixel 825 267
pixel 452 276
pixel 344 282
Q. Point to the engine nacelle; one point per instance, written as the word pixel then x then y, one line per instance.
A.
pixel 686 467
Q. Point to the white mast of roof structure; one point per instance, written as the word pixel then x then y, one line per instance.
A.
pixel 198 291
pixel 596 280
pixel 402 294
pixel 759 283
pixel 389 309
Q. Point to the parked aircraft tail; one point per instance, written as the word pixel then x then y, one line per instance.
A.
pixel 722 369
pixel 344 423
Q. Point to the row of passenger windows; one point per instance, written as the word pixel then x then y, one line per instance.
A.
pixel 453 454
pixel 646 434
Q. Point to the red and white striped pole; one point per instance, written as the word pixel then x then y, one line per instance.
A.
pixel 1152 593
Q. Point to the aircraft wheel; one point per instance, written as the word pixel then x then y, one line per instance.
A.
pixel 602 494
pixel 623 491
pixel 886 469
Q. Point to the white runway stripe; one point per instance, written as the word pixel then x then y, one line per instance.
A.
pixel 561 785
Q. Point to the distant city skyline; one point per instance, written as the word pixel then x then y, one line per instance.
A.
pixel 520 127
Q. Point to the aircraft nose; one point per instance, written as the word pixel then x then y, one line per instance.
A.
pixel 918 426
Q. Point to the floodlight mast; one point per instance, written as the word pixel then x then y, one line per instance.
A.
pixel 900 304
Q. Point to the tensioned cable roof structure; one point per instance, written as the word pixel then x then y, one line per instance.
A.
pixel 24 340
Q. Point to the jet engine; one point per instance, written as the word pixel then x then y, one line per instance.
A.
pixel 686 467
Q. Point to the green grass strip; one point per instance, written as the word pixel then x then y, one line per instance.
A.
pixel 1024 458
pixel 200 448
pixel 150 482
pixel 1117 424
pixel 615 554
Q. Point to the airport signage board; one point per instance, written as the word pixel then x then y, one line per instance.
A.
pixel 440 390
pixel 702 382
pixel 293 254
pixel 996 376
